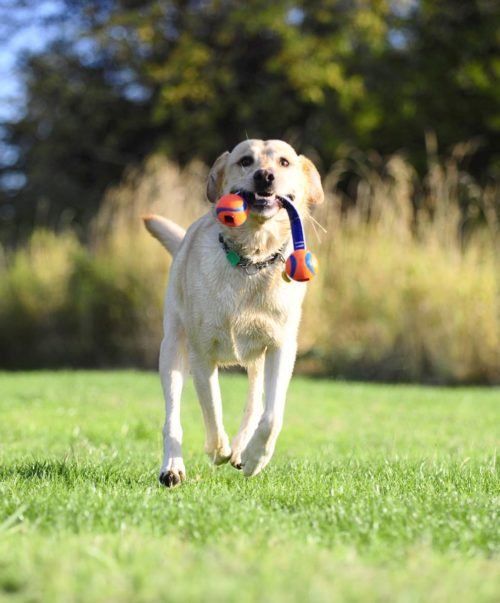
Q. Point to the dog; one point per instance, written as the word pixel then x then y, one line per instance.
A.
pixel 218 314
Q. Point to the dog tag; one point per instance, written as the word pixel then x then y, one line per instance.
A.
pixel 285 276
pixel 233 257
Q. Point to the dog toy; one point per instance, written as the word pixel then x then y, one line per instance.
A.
pixel 302 265
pixel 232 210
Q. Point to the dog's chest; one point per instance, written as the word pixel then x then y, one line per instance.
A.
pixel 250 318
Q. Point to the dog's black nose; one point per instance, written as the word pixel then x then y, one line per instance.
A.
pixel 263 178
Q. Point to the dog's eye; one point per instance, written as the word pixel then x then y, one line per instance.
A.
pixel 284 162
pixel 245 161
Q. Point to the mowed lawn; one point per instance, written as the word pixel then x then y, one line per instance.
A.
pixel 375 493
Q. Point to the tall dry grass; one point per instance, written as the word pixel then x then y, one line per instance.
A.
pixel 402 295
pixel 407 290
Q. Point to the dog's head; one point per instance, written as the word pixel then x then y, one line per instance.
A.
pixel 268 169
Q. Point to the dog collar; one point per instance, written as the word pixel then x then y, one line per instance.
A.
pixel 238 261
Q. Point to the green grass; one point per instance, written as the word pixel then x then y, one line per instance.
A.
pixel 375 493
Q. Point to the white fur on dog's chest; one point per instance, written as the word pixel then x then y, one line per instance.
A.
pixel 251 325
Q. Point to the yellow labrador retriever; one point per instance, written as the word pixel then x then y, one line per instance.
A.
pixel 219 314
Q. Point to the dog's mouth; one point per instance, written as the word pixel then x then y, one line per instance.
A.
pixel 264 204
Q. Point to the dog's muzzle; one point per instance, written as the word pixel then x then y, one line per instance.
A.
pixel 261 203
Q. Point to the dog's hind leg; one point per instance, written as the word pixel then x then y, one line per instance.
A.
pixel 253 410
pixel 206 381
pixel 172 371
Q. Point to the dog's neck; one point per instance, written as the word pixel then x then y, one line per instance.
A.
pixel 257 239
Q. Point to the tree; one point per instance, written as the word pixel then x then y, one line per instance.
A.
pixel 192 78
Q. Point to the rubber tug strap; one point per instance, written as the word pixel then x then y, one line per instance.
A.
pixel 298 236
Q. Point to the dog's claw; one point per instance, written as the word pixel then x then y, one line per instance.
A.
pixel 170 479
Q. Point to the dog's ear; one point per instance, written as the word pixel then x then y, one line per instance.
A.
pixel 215 176
pixel 314 190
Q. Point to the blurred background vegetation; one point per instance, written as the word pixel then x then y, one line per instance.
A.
pixel 125 103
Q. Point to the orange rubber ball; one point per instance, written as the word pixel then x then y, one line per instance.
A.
pixel 301 265
pixel 231 210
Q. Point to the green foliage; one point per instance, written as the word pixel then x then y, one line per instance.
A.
pixel 375 493
pixel 193 78
pixel 76 139
pixel 61 304
pixel 33 297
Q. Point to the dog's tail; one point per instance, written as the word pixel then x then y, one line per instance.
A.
pixel 167 232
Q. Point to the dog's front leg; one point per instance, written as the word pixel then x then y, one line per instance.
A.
pixel 206 381
pixel 172 369
pixel 278 371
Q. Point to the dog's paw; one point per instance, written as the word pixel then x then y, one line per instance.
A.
pixel 239 443
pixel 219 453
pixel 257 454
pixel 220 456
pixel 171 478
pixel 235 459
pixel 172 473
pixel 253 464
